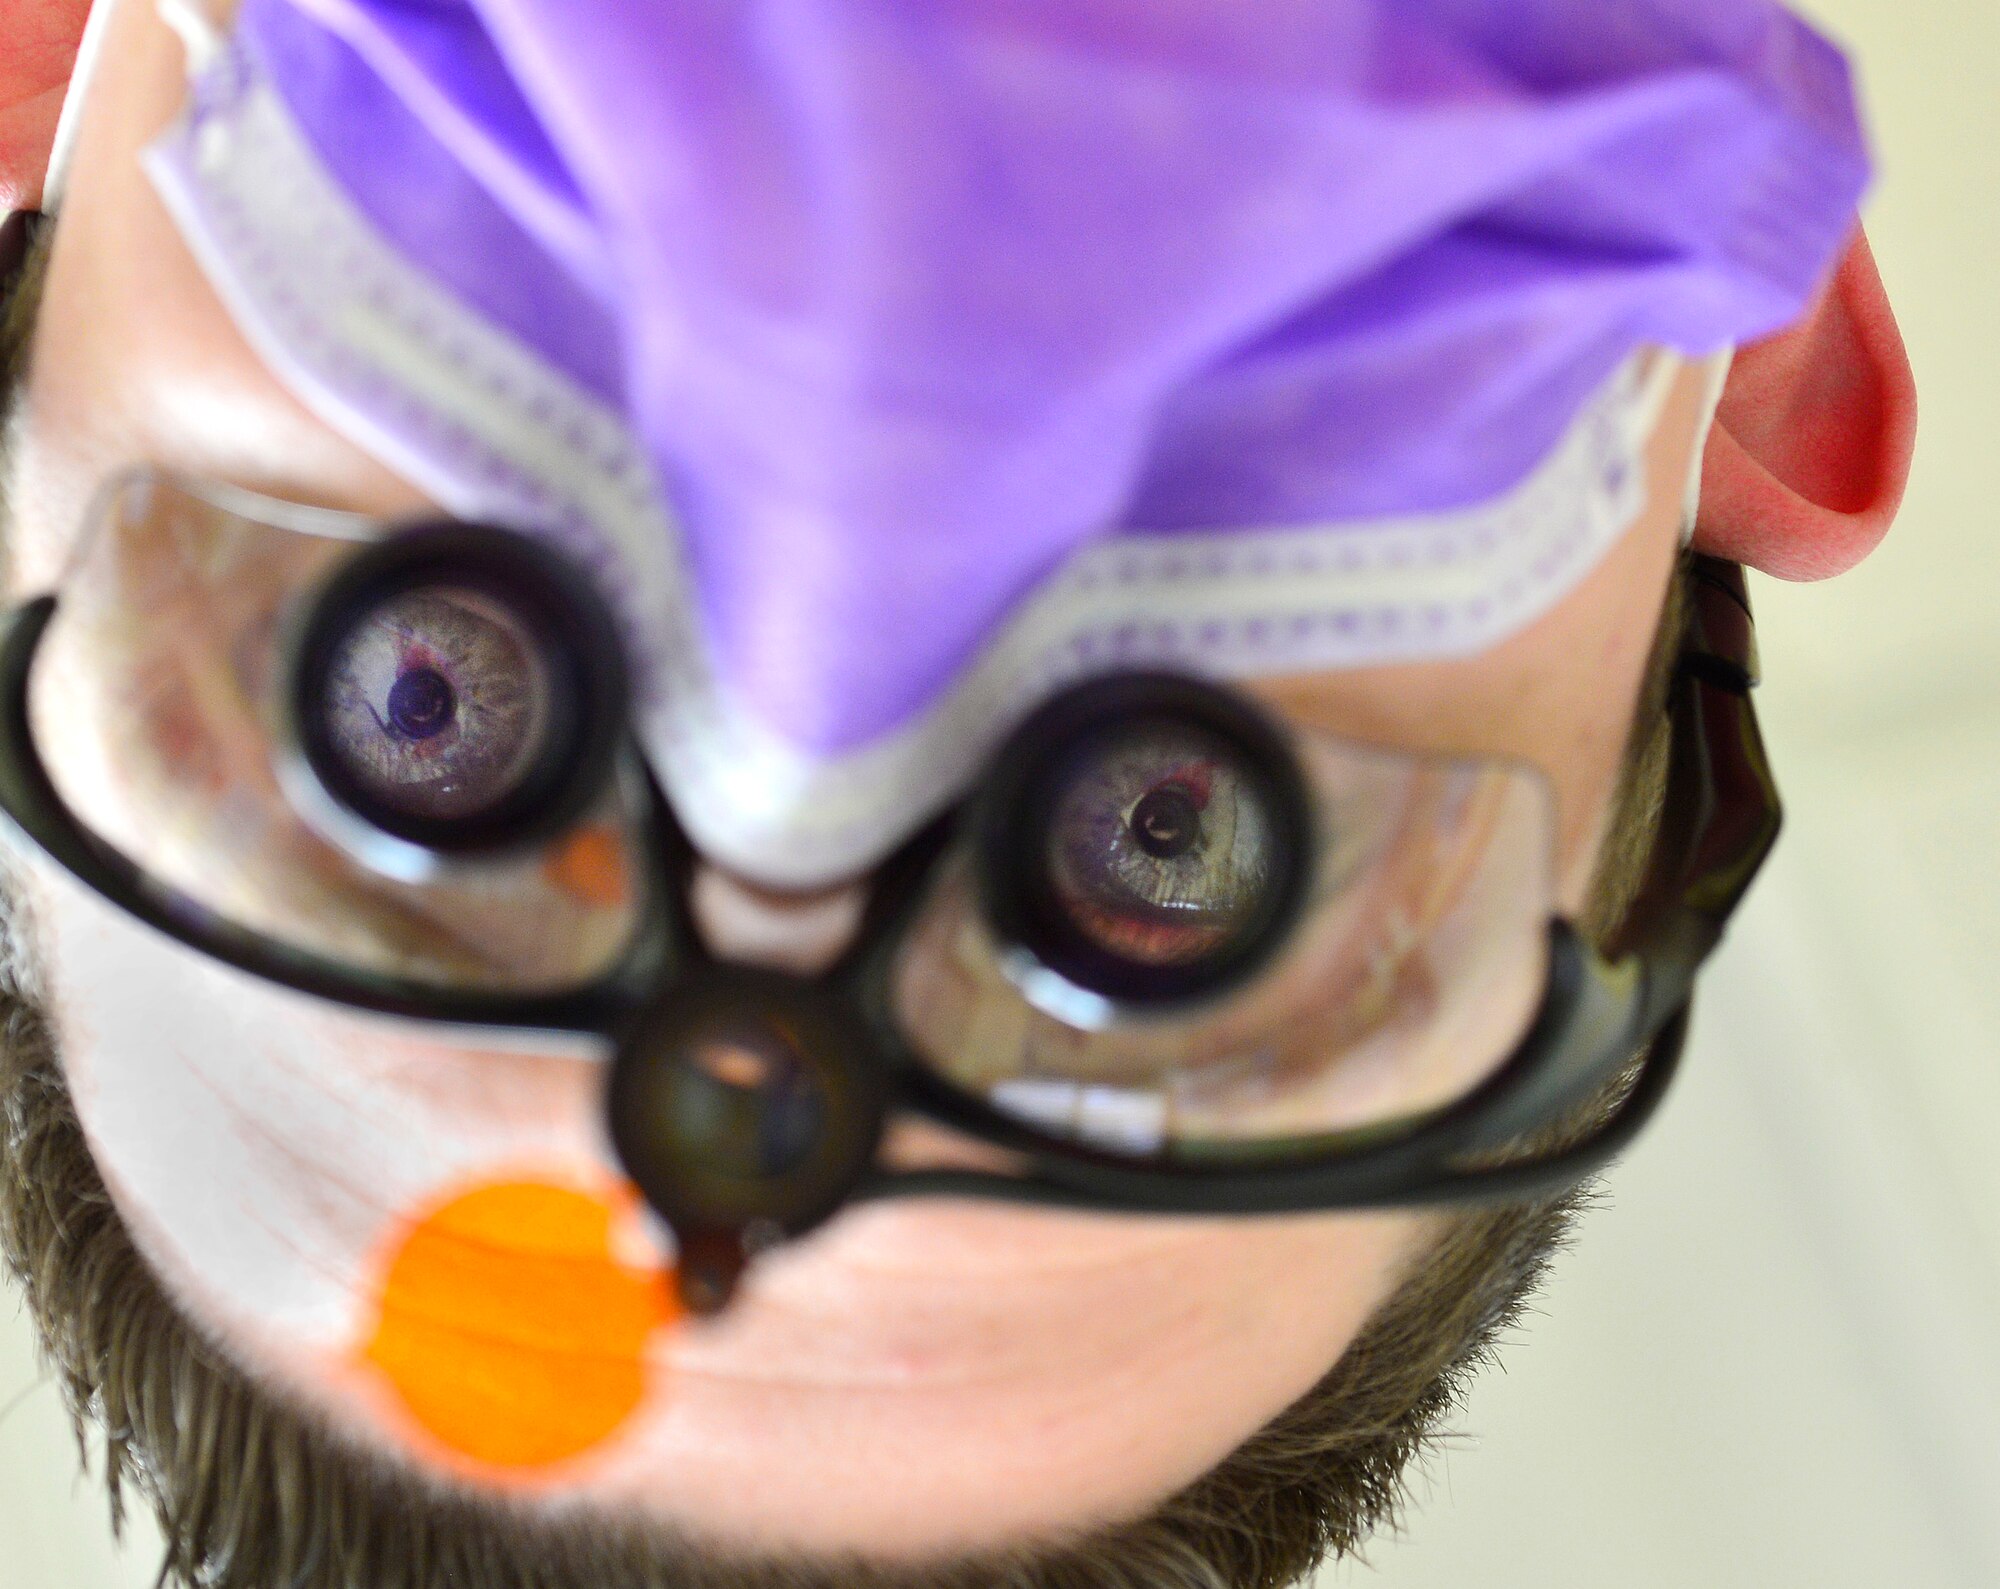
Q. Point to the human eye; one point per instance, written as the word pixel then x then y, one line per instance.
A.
pixel 1159 848
pixel 435 703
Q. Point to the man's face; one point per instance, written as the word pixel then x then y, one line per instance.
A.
pixel 386 1225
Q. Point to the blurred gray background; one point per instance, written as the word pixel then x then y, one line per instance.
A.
pixel 1774 1360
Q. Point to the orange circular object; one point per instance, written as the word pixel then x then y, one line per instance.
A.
pixel 592 866
pixel 510 1331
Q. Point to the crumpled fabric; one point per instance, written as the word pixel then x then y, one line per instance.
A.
pixel 910 299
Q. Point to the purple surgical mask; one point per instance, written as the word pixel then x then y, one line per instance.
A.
pixel 894 363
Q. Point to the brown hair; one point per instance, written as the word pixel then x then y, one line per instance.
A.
pixel 254 1492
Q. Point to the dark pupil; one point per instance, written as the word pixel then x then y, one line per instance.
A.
pixel 421 704
pixel 1166 823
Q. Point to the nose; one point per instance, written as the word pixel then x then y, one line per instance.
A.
pixel 800 933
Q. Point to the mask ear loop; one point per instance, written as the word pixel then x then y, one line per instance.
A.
pixel 1715 376
pixel 199 36
pixel 89 52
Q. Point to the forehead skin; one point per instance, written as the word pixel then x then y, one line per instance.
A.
pixel 916 1377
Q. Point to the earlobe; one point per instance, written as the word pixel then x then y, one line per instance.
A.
pixel 41 42
pixel 1811 447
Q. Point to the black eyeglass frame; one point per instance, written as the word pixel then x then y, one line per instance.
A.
pixel 1598 1015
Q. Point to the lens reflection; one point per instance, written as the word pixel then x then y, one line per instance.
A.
pixel 436 703
pixel 1159 844
pixel 742 1099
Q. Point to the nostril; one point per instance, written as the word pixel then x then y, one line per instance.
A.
pixel 796 932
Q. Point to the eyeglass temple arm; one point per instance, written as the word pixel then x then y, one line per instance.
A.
pixel 17 235
pixel 1722 811
pixel 1721 818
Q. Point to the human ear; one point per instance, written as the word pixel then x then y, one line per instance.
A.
pixel 40 50
pixel 1811 447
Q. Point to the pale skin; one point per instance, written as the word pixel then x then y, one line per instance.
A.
pixel 914 1378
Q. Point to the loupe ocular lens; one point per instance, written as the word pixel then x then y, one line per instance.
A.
pixel 457 688
pixel 1145 843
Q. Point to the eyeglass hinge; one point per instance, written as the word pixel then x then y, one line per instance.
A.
pixel 1720 646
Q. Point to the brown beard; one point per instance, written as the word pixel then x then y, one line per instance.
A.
pixel 255 1492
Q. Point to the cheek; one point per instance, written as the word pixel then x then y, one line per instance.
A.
pixel 268 1156
pixel 992 1373
pixel 511 1332
pixel 428 1245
